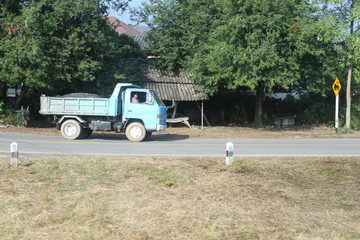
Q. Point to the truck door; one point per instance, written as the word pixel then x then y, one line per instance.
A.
pixel 139 104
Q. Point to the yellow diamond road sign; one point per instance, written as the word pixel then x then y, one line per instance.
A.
pixel 336 86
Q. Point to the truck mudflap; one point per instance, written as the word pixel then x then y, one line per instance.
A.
pixel 160 127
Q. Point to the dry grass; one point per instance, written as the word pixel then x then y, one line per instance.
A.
pixel 180 198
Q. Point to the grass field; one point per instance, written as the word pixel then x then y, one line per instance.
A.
pixel 180 198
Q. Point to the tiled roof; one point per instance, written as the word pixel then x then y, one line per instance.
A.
pixel 121 27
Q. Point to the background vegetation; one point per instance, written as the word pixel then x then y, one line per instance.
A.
pixel 64 46
pixel 294 46
pixel 267 46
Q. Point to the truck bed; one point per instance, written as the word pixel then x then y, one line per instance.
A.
pixel 76 106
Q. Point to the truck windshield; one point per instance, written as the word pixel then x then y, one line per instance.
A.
pixel 157 99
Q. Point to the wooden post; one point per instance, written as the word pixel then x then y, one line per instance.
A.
pixel 175 110
pixel 206 120
pixel 202 114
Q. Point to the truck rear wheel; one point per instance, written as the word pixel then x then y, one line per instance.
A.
pixel 71 129
pixel 135 132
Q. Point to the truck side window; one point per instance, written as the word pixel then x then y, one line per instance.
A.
pixel 138 97
pixel 134 97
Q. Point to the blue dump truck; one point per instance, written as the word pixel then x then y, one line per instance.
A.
pixel 136 111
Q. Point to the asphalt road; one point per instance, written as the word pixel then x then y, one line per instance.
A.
pixel 113 145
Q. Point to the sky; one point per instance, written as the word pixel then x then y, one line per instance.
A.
pixel 125 16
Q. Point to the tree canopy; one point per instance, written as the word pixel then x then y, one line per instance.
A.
pixel 258 44
pixel 340 25
pixel 64 44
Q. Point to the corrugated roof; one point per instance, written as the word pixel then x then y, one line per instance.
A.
pixel 141 41
pixel 169 86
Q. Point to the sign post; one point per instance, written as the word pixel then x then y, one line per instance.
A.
pixel 336 88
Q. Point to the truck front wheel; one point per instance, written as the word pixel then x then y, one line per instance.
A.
pixel 71 129
pixel 135 132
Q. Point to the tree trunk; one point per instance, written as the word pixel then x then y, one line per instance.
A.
pixel 348 98
pixel 258 122
pixel 19 98
pixel 348 83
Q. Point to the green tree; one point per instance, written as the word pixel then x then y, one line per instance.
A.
pixel 256 45
pixel 177 29
pixel 64 44
pixel 259 44
pixel 340 26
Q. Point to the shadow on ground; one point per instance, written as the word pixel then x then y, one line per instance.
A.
pixel 121 136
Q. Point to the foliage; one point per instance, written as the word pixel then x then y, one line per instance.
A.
pixel 18 118
pixel 251 43
pixel 309 109
pixel 177 29
pixel 355 117
pixel 340 26
pixel 337 17
pixel 2 109
pixel 65 44
pixel 229 44
pixel 257 44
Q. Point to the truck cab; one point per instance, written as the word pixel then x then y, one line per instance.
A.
pixel 142 106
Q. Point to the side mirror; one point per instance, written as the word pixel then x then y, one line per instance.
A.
pixel 149 98
pixel 172 105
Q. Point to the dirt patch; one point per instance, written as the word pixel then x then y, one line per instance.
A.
pixel 180 198
pixel 48 129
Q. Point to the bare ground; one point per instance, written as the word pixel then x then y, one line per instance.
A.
pixel 180 198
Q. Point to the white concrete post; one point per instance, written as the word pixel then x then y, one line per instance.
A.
pixel 14 159
pixel 229 153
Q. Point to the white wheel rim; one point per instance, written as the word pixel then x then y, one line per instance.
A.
pixel 70 129
pixel 135 132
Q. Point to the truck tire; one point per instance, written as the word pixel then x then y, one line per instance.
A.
pixel 135 132
pixel 71 129
pixel 86 133
pixel 147 136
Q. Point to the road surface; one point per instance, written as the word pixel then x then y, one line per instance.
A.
pixel 109 145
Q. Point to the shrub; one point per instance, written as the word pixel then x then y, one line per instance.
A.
pixel 2 110
pixel 17 117
pixel 355 117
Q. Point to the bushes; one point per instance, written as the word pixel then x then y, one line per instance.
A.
pixel 355 117
pixel 2 110
pixel 16 118
pixel 309 110
pixel 316 113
